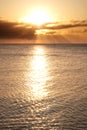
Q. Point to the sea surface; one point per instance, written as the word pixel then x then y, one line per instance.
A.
pixel 43 87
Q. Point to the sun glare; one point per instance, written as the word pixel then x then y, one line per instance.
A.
pixel 37 17
pixel 37 78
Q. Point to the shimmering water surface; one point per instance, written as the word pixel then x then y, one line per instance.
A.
pixel 43 87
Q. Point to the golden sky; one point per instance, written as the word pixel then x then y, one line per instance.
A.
pixel 58 10
pixel 45 17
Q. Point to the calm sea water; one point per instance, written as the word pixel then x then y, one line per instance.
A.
pixel 43 87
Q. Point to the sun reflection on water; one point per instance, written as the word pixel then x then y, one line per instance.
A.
pixel 38 74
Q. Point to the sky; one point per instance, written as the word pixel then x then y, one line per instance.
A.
pixel 13 10
pixel 39 13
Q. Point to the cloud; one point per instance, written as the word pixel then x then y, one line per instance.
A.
pixel 58 26
pixel 13 30
pixel 85 30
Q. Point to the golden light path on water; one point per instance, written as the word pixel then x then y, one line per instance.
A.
pixel 37 75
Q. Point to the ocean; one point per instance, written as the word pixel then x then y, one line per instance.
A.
pixel 43 87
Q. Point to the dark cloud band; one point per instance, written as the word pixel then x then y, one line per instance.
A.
pixel 10 30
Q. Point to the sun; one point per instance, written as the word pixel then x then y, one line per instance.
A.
pixel 37 17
